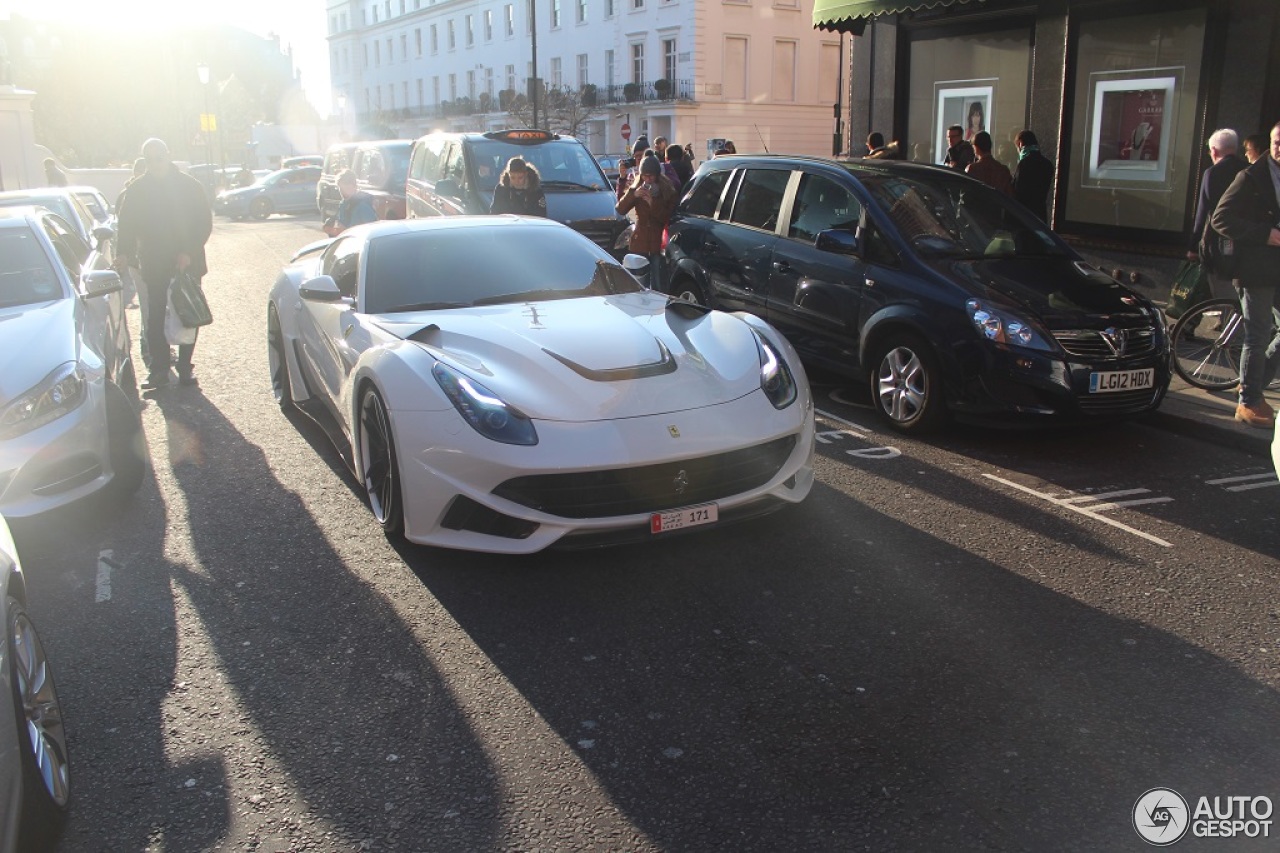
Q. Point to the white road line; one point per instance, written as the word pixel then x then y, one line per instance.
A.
pixel 1088 512
pixel 850 424
pixel 1264 481
pixel 103 586
pixel 1084 498
pixel 1115 504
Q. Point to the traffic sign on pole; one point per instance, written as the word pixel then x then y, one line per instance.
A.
pixel 626 132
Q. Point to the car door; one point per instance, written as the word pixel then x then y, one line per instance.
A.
pixel 425 168
pixel 815 294
pixel 738 249
pixel 104 328
pixel 325 327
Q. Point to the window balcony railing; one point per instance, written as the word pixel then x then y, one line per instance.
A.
pixel 652 90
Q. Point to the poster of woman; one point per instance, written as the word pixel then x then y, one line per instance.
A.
pixel 967 103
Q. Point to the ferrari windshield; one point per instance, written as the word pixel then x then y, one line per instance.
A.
pixel 952 217
pixel 461 267
pixel 26 275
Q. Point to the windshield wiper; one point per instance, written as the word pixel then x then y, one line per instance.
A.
pixel 425 306
pixel 573 184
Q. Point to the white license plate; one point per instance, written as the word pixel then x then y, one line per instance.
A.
pixel 1122 380
pixel 678 519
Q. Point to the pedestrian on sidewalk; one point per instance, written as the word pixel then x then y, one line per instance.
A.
pixel 1033 176
pixel 1206 245
pixel 653 198
pixel 164 222
pixel 1249 214
pixel 988 169
pixel 959 150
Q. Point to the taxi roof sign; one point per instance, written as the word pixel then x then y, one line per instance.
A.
pixel 526 135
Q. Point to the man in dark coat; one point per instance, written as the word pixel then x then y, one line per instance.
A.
pixel 960 153
pixel 988 169
pixel 1033 176
pixel 1249 214
pixel 164 222
pixel 1223 145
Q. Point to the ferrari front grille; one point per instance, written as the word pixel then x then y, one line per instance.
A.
pixel 650 488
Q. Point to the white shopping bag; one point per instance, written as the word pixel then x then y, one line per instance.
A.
pixel 174 331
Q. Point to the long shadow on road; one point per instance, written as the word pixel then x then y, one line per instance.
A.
pixel 743 690
pixel 337 693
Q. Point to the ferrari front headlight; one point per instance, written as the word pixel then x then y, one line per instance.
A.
pixel 483 410
pixel 775 377
pixel 59 393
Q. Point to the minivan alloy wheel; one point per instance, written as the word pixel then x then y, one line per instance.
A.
pixel 907 386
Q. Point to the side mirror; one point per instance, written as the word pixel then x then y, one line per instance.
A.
pixel 101 282
pixel 637 265
pixel 448 188
pixel 837 241
pixel 322 288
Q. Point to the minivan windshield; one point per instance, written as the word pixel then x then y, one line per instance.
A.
pixel 563 165
pixel 949 216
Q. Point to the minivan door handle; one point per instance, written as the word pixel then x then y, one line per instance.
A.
pixel 781 266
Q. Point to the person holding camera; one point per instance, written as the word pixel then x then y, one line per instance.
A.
pixel 652 197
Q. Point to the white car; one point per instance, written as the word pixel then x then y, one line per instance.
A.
pixel 501 383
pixel 69 423
pixel 35 772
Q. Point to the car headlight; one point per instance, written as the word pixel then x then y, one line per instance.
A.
pixel 484 410
pixel 775 377
pixel 1004 327
pixel 57 394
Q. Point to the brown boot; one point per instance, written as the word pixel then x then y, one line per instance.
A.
pixel 1257 414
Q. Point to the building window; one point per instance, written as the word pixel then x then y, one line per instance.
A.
pixel 583 79
pixel 735 68
pixel 784 71
pixel 555 14
pixel 1134 122
pixel 669 59
pixel 978 81
pixel 471 30
pixel 375 20
pixel 404 47
pixel 390 57
pixel 637 62
pixel 377 53
pixel 488 80
pixel 368 100
pixel 391 96
pixel 435 40
pixel 417 41
pixel 556 75
pixel 610 8
pixel 637 4
pixel 828 73
pixel 488 25
pixel 453 87
pixel 420 101
pixel 388 10
pixel 608 68
pixel 509 19
pixel 511 77
pixel 582 11
pixel 366 56
pixel 471 85
pixel 402 12
pixel 435 90
pixel 451 36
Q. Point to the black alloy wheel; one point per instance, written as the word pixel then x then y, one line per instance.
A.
pixel 280 387
pixel 378 464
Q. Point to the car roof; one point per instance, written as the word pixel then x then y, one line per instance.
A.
pixel 386 227
pixel 855 165
pixel 19 215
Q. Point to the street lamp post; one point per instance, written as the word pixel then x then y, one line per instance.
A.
pixel 533 34
pixel 202 73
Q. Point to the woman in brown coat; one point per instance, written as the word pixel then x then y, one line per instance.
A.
pixel 652 196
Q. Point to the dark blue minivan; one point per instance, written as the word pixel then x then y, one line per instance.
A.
pixel 453 174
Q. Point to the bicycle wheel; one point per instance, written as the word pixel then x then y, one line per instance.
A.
pixel 1206 342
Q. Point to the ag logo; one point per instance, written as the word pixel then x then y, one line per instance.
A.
pixel 1161 816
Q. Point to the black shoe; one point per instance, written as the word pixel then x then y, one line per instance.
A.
pixel 187 379
pixel 155 382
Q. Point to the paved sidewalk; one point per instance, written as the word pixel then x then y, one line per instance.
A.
pixel 1210 416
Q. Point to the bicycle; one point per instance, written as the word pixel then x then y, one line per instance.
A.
pixel 1206 342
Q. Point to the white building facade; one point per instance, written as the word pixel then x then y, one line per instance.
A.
pixel 754 71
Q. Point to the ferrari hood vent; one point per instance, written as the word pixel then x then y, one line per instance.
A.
pixel 664 364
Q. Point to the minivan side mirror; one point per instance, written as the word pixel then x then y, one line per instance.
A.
pixel 837 241
pixel 448 187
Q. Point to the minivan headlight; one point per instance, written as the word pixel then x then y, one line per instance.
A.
pixel 775 377
pixel 483 410
pixel 59 393
pixel 1003 326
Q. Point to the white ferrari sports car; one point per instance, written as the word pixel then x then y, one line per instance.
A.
pixel 502 384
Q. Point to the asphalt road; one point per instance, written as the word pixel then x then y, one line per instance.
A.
pixel 965 643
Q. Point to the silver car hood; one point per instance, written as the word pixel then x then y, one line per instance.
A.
pixel 593 358
pixel 35 339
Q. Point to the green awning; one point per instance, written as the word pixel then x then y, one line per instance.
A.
pixel 850 16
